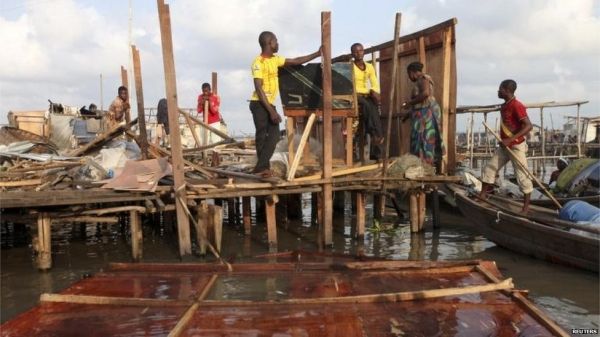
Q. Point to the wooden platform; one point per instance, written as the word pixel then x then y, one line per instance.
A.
pixel 293 294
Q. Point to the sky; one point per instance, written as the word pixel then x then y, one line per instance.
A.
pixel 57 49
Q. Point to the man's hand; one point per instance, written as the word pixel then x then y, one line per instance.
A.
pixel 275 118
pixel 507 141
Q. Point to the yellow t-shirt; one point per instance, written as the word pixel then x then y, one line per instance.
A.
pixel 266 68
pixel 362 76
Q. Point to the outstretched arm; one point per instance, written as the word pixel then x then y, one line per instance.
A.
pixel 303 59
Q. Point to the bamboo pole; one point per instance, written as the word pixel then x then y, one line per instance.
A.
pixel 183 225
pixel 525 168
pixel 391 107
pixel 327 194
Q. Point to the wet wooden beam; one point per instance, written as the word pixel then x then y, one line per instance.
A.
pixel 135 223
pixel 422 209
pixel 139 92
pixel 44 247
pixel 246 210
pixel 414 212
pixel 202 226
pixel 270 210
pixel 360 215
pixel 327 194
pixel 183 225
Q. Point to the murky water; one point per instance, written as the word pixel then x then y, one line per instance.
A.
pixel 570 296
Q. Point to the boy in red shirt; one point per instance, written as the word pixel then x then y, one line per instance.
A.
pixel 212 102
pixel 515 126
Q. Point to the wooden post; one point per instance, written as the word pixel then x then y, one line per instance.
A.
pixel 214 86
pixel 246 209
pixel 301 145
pixel 422 52
pixel 135 224
pixel 422 209
pixel 271 220
pixel 414 213
pixel 578 132
pixel 435 210
pixel 360 215
pixel 216 218
pixel 139 92
pixel 183 224
pixel 44 251
pixel 543 140
pixel 202 226
pixel 327 129
pixel 446 67
pixel 290 133
pixel 391 106
pixel 125 83
pixel 349 138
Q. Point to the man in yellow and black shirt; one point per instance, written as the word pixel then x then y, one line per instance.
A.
pixel 366 86
pixel 265 69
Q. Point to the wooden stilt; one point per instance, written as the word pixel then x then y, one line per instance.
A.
pixel 349 138
pixel 202 226
pixel 327 223
pixel 135 224
pixel 271 220
pixel 231 214
pixel 320 209
pixel 290 133
pixel 414 213
pixel 44 257
pixel 422 209
pixel 216 219
pixel 183 225
pixel 246 206
pixel 435 210
pixel 360 215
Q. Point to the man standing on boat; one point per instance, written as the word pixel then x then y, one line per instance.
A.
pixel 515 126
pixel 265 72
pixel 118 108
pixel 366 87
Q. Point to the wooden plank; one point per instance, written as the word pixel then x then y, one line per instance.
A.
pixel 337 173
pixel 183 225
pixel 86 219
pixel 327 193
pixel 303 141
pixel 349 141
pixel 210 128
pixel 103 138
pixel 191 125
pixel 422 209
pixel 110 300
pixel 422 53
pixel 214 82
pixel 446 68
pixel 413 212
pixel 288 112
pixel 202 226
pixel 271 220
pixel 18 183
pixel 139 91
pixel 135 223
pixel 125 83
pixel 216 217
pixel 246 212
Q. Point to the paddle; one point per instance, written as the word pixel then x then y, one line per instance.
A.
pixel 523 167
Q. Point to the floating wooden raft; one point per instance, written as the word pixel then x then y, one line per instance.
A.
pixel 291 294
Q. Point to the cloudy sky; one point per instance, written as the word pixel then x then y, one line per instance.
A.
pixel 57 49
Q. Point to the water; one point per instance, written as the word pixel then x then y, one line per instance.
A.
pixel 570 296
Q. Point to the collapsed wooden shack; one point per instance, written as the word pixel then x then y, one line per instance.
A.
pixel 293 294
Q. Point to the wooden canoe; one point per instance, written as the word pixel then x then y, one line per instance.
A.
pixel 539 233
pixel 291 295
pixel 592 199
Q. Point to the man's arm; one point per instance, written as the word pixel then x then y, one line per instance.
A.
pixel 374 92
pixel 302 59
pixel 265 102
pixel 525 128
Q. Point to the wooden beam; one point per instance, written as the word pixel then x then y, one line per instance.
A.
pixel 360 214
pixel 214 85
pixel 327 194
pixel 446 68
pixel 271 220
pixel 183 225
pixel 303 140
pixel 109 300
pixel 422 53
pixel 290 131
pixel 246 211
pixel 44 251
pixel 18 183
pixel 391 107
pixel 139 91
pixel 103 138
pixel 414 212
pixel 179 328
pixel 135 223
pixel 206 126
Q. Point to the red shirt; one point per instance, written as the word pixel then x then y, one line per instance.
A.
pixel 213 107
pixel 512 113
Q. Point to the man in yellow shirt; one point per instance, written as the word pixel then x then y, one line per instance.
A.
pixel 366 86
pixel 265 72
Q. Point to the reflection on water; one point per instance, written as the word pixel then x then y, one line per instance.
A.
pixel 569 295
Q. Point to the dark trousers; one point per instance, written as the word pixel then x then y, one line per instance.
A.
pixel 369 116
pixel 267 135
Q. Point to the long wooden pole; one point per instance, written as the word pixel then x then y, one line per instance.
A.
pixel 139 92
pixel 523 167
pixel 303 140
pixel 391 108
pixel 125 83
pixel 327 224
pixel 183 224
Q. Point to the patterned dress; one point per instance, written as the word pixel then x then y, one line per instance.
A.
pixel 426 120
